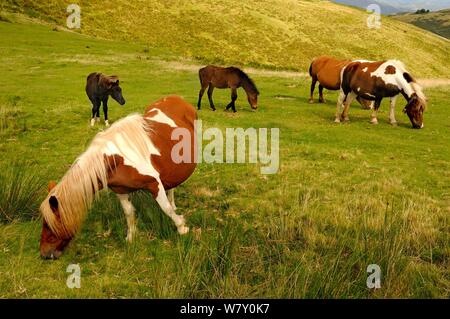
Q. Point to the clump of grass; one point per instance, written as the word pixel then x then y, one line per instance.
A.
pixel 20 192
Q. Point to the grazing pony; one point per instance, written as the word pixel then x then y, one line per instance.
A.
pixel 376 80
pixel 98 88
pixel 217 77
pixel 135 153
pixel 327 71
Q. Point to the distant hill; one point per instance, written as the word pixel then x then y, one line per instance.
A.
pixel 282 34
pixel 385 8
pixel 437 22
pixel 389 7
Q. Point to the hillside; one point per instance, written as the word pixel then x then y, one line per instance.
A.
pixel 437 22
pixel 283 34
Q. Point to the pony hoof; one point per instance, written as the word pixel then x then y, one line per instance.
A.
pixel 92 122
pixel 374 121
pixel 183 230
pixel 106 123
pixel 394 123
pixel 321 101
pixel 311 101
pixel 337 120
pixel 346 119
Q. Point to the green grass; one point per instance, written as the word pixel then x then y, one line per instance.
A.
pixel 437 22
pixel 282 34
pixel 346 196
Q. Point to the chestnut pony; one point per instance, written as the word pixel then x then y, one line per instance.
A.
pixel 135 153
pixel 327 71
pixel 222 78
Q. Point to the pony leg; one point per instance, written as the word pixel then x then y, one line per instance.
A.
pixel 105 111
pixel 232 104
pixel 95 110
pixel 321 99
pixel 129 210
pixel 168 209
pixel 339 103
pixel 171 197
pixel 376 106
pixel 200 96
pixel 210 92
pixel 313 86
pixel 348 100
pixel 392 119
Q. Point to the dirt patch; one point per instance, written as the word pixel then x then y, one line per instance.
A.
pixel 430 83
pixel 181 66
pixel 191 67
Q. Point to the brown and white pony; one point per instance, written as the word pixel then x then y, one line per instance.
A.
pixel 223 78
pixel 377 80
pixel 327 71
pixel 133 154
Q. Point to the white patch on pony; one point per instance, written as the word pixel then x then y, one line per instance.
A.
pixel 371 95
pixel 161 117
pixel 131 156
pixel 358 89
pixel 397 79
pixel 365 69
pixel 129 211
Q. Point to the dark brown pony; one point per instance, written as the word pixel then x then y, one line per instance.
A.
pixel 98 88
pixel 327 71
pixel 135 153
pixel 222 78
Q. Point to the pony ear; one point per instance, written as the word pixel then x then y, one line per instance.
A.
pixel 113 80
pixel 53 201
pixel 51 185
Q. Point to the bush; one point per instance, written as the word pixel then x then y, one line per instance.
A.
pixel 20 192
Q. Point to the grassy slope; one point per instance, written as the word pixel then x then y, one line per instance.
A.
pixel 309 231
pixel 437 22
pixel 272 33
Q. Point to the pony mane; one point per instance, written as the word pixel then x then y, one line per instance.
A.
pixel 418 90
pixel 247 80
pixel 411 81
pixel 80 185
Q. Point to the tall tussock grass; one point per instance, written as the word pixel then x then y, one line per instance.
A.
pixel 20 192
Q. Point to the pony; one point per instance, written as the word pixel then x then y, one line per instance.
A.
pixel 98 88
pixel 377 80
pixel 135 153
pixel 217 77
pixel 327 71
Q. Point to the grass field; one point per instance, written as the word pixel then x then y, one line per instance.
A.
pixel 346 196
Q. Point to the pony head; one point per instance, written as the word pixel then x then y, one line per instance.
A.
pixel 253 100
pixel 112 84
pixel 414 109
pixel 52 242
